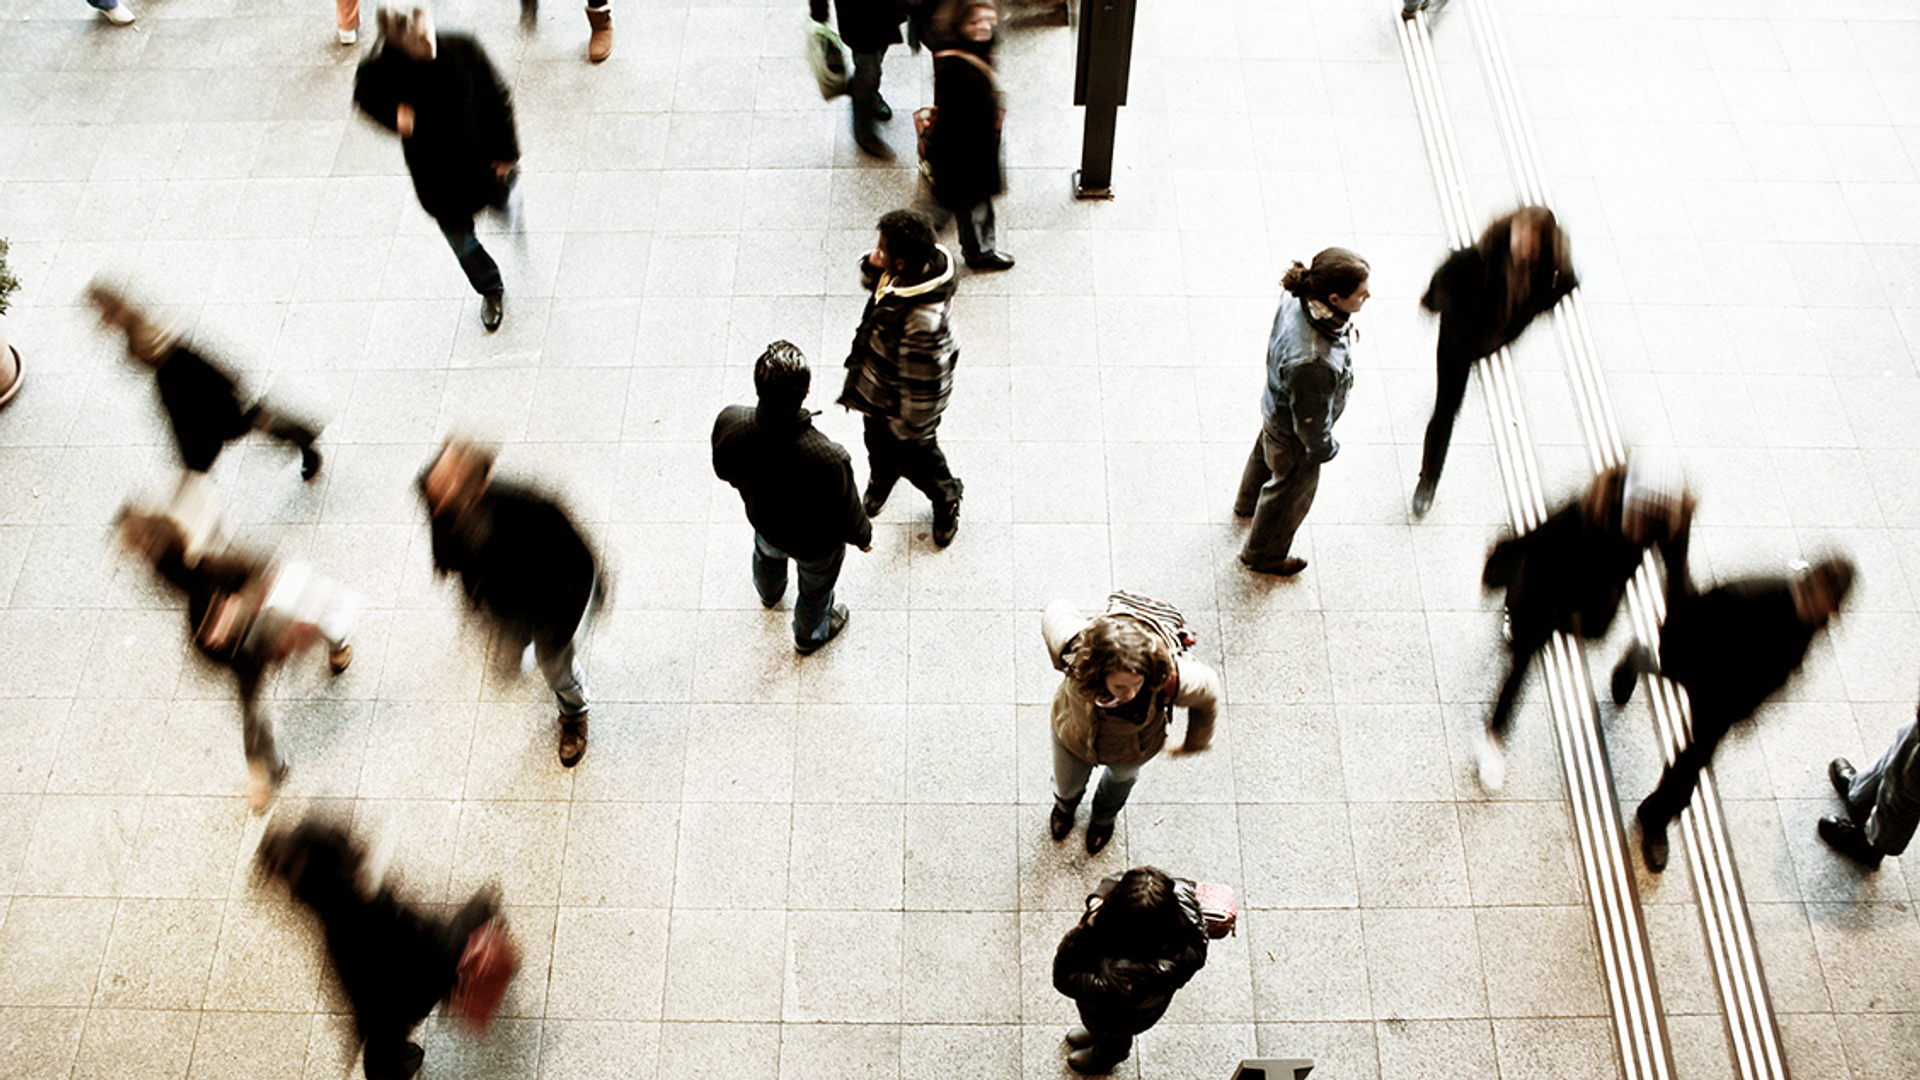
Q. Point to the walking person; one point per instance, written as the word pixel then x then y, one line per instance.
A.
pixel 1309 372
pixel 1485 296
pixel 1570 573
pixel 868 27
pixel 1883 803
pixel 246 615
pixel 799 492
pixel 963 147
pixel 1122 675
pixel 521 559
pixel 1123 962
pixel 900 370
pixel 394 961
pixel 454 116
pixel 1731 647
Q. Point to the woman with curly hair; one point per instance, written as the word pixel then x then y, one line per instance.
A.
pixel 1123 677
pixel 1121 965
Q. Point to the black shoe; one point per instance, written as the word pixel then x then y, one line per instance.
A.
pixel 1286 567
pixel 881 110
pixel 573 740
pixel 1848 839
pixel 991 260
pixel 1090 1062
pixel 946 521
pixel 1626 674
pixel 1422 500
pixel 529 13
pixel 1079 1038
pixel 1098 833
pixel 1653 843
pixel 836 622
pixel 873 146
pixel 1840 772
pixel 1411 8
pixel 875 499
pixel 1060 822
pixel 309 463
pixel 491 311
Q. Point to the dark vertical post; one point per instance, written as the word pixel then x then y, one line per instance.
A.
pixel 1100 84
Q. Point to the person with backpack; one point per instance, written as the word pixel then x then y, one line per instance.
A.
pixel 963 146
pixel 1131 951
pixel 1123 674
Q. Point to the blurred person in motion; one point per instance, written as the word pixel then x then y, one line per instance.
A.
pixel 454 116
pixel 203 406
pixel 1309 371
pixel 1123 962
pixel 247 614
pixel 521 559
pixel 963 147
pixel 394 961
pixel 1883 803
pixel 1485 296
pixel 799 491
pixel 1731 647
pixel 1122 675
pixel 1570 573
pixel 868 27
pixel 900 370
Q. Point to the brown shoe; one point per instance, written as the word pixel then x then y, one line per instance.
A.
pixel 339 658
pixel 600 45
pixel 573 740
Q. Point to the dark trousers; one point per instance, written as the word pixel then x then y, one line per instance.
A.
pixel 1276 490
pixel 864 88
pixel 1679 779
pixel 813 607
pixel 920 461
pixel 1450 390
pixel 975 225
pixel 1520 651
pixel 390 1054
pixel 482 272
pixel 282 427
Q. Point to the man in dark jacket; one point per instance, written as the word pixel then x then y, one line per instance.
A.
pixel 868 27
pixel 900 371
pixel 201 401
pixel 799 490
pixel 520 558
pixel 1883 803
pixel 441 95
pixel 1730 647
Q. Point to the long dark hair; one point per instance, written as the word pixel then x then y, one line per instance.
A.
pixel 1496 246
pixel 1144 915
pixel 1335 272
pixel 1110 644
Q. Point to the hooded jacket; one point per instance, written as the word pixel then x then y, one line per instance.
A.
pixel 797 484
pixel 901 366
pixel 1309 373
pixel 463 121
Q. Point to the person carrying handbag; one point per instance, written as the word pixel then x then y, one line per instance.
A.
pixel 1121 964
pixel 963 149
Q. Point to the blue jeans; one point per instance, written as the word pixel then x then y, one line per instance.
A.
pixel 813 608
pixel 482 272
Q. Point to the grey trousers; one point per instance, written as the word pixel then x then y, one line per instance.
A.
pixel 1070 776
pixel 1885 799
pixel 1277 490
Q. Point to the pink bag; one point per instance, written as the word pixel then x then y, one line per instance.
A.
pixel 1218 906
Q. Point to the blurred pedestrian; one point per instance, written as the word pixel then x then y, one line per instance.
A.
pixel 521 559
pixel 1123 674
pixel 1730 647
pixel 395 961
pixel 1485 296
pixel 1309 372
pixel 868 27
pixel 1883 803
pixel 246 615
pixel 1124 961
pixel 1570 573
pixel 799 491
pixel 454 116
pixel 963 147
pixel 118 12
pixel 900 371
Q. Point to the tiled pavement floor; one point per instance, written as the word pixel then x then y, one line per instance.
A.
pixel 837 867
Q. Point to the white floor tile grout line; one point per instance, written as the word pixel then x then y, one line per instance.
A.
pixel 1638 1023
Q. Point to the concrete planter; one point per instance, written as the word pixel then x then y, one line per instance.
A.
pixel 13 370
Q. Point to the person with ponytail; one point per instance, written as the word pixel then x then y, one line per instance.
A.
pixel 1309 373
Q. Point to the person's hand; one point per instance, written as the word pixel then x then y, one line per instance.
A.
pixel 502 169
pixel 403 120
pixel 866 547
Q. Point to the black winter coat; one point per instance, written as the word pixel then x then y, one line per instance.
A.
pixel 964 151
pixel 202 404
pixel 797 484
pixel 520 558
pixel 463 122
pixel 1569 574
pixel 1124 987
pixel 1469 293
pixel 1733 646
pixel 867 26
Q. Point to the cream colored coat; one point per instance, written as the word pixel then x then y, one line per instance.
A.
pixel 1197 690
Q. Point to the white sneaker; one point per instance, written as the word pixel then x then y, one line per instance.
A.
pixel 348 37
pixel 118 14
pixel 1492 760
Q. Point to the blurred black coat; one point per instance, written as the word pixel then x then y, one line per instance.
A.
pixel 964 150
pixel 867 26
pixel 1469 293
pixel 1732 646
pixel 202 404
pixel 1569 574
pixel 519 557
pixel 1124 987
pixel 463 122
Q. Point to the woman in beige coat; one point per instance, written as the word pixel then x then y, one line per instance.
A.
pixel 1114 708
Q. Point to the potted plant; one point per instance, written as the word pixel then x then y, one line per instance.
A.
pixel 12 371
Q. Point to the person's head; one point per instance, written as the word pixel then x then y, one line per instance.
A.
pixel 967 22
pixel 906 244
pixel 312 857
pixel 1143 914
pixel 147 340
pixel 1529 231
pixel 1337 278
pixel 1654 503
pixel 150 536
pixel 409 30
pixel 1117 660
pixel 458 476
pixel 781 377
pixel 1819 591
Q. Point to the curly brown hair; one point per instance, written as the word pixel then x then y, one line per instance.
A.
pixel 1116 643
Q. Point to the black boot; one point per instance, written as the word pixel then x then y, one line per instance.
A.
pixel 946 521
pixel 1060 822
pixel 1099 831
pixel 1850 840
pixel 1653 840
pixel 1840 773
